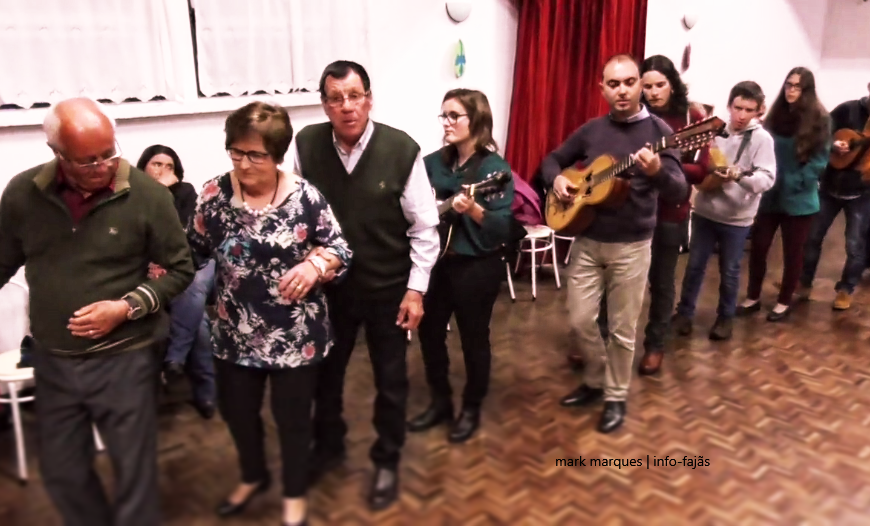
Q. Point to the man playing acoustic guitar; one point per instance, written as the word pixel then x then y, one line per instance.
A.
pixel 612 255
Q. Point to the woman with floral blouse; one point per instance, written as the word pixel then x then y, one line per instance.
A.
pixel 275 240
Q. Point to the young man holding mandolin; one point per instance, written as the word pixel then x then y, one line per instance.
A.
pixel 843 188
pixel 612 254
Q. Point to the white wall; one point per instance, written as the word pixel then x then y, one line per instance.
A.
pixel 737 40
pixel 845 60
pixel 413 44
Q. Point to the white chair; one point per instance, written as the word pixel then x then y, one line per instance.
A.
pixel 540 239
pixel 13 380
pixel 570 240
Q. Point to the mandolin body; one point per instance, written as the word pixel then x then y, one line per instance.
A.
pixel 858 144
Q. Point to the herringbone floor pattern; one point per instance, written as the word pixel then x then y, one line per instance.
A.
pixel 781 412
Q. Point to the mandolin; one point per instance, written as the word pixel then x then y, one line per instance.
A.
pixel 493 183
pixel 719 174
pixel 603 183
pixel 857 157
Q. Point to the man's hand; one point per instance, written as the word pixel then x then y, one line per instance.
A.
pixel 98 319
pixel 841 147
pixel 648 162
pixel 410 311
pixel 565 190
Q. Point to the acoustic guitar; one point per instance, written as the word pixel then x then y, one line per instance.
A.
pixel 857 157
pixel 603 184
pixel 493 183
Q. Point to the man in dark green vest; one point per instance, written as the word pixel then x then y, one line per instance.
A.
pixel 374 179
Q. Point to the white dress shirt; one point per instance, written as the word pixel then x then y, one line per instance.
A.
pixel 418 207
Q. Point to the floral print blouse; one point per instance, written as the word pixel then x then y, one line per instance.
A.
pixel 255 326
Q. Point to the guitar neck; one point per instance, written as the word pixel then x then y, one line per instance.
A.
pixel 628 162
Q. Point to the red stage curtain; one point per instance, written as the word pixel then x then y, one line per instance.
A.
pixel 561 48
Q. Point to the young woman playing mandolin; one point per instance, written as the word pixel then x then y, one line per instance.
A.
pixel 466 280
pixel 666 96
pixel 801 132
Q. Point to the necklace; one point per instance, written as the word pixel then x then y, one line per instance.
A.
pixel 266 209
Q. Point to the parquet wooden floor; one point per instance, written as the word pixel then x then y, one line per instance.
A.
pixel 780 413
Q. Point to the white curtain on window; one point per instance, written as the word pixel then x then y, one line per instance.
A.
pixel 104 49
pixel 276 46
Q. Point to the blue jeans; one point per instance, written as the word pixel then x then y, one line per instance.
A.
pixel 705 235
pixel 189 340
pixel 857 213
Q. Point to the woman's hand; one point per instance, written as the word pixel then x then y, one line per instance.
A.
pixel 296 283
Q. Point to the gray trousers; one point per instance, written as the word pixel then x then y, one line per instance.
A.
pixel 118 393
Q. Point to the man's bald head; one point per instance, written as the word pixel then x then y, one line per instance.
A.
pixel 75 123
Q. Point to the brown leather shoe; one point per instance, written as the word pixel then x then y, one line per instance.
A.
pixel 651 362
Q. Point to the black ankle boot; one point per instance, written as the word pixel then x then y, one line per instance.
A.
pixel 464 426
pixel 435 414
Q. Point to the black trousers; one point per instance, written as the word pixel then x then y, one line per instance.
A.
pixel 240 399
pixel 467 286
pixel 387 345
pixel 662 281
pixel 118 393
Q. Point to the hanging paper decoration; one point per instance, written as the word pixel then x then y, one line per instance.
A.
pixel 459 63
pixel 687 52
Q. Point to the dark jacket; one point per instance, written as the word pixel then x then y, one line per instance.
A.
pixel 103 257
pixel 851 115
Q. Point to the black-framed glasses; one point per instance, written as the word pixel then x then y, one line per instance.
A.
pixel 95 165
pixel 450 117
pixel 337 101
pixel 794 86
pixel 254 156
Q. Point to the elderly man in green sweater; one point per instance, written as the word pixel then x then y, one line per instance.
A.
pixel 85 226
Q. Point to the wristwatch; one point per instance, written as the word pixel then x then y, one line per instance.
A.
pixel 134 310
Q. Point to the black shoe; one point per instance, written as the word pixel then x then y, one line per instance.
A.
pixel 746 311
pixel 384 488
pixel 681 324
pixel 205 409
pixel 464 426
pixel 583 395
pixel 721 329
pixel 172 372
pixel 778 316
pixel 227 508
pixel 437 413
pixel 322 463
pixel 612 417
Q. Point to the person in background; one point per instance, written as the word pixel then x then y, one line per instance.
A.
pixel 466 281
pixel 841 190
pixel 725 208
pixel 374 178
pixel 801 130
pixel 186 348
pixel 85 226
pixel 612 256
pixel 667 97
pixel 274 239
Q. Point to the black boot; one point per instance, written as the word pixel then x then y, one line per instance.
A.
pixel 465 426
pixel 437 413
pixel 612 417
pixel 583 395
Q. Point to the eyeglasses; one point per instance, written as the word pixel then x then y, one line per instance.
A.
pixel 254 156
pixel 337 101
pixel 450 117
pixel 791 85
pixel 93 166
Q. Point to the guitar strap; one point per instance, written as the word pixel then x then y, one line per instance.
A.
pixel 743 144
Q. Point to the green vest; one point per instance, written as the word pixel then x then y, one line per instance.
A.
pixel 366 202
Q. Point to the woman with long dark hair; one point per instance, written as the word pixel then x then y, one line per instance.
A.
pixel 801 131
pixel 466 280
pixel 666 96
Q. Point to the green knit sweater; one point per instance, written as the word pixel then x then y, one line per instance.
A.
pixel 103 257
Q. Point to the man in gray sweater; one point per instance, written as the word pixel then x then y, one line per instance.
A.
pixel 612 256
pixel 725 208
